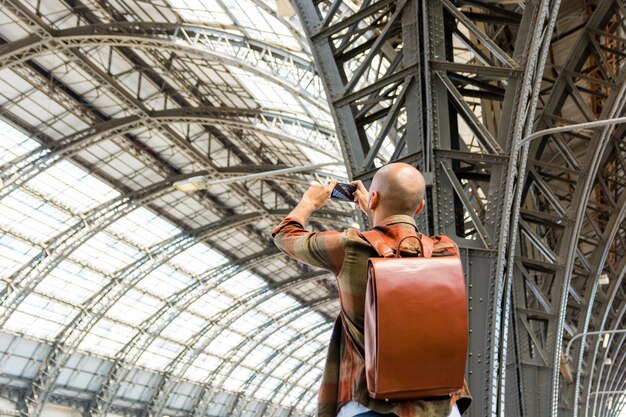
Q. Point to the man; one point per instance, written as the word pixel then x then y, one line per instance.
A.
pixel 396 195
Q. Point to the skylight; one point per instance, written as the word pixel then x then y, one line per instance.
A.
pixel 89 248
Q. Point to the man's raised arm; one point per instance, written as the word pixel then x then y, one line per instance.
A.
pixel 321 249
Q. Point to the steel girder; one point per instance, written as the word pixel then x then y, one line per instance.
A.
pixel 133 103
pixel 201 340
pixel 160 319
pixel 68 340
pixel 608 378
pixel 204 398
pixel 290 347
pixel 24 280
pixel 609 310
pixel 20 171
pixel 560 174
pixel 426 91
pixel 292 72
pixel 590 311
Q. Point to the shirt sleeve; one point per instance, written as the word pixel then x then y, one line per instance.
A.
pixel 322 249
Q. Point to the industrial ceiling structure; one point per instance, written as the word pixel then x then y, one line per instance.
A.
pixel 123 295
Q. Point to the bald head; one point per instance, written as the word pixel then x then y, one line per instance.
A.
pixel 400 188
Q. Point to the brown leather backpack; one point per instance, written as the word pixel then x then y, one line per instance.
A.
pixel 416 324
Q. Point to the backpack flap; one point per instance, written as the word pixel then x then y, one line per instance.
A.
pixel 416 327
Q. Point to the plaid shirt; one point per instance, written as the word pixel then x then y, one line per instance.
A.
pixel 345 255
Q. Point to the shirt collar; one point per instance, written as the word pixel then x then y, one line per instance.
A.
pixel 398 218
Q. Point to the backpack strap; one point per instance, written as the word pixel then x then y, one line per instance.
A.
pixel 375 239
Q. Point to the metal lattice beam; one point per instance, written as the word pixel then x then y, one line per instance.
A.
pixel 290 71
pixel 68 340
pixel 20 171
pixel 541 314
pixel 203 399
pixel 201 340
pixel 425 90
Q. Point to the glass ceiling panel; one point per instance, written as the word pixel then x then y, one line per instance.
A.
pixel 164 281
pixel 159 354
pixel 269 95
pixel 285 367
pixel 105 253
pixel 143 228
pixel 291 395
pixel 212 303
pixel 250 321
pixel 282 336
pixel 72 282
pixel 202 366
pixel 258 24
pixel 73 187
pixel 14 252
pixel 278 303
pixel 32 217
pixel 134 307
pixel 201 11
pixel 197 259
pixel 13 143
pixel 258 355
pixel 242 284
pixel 39 316
pixel 106 338
pixel 267 389
pixel 184 326
pixel 237 378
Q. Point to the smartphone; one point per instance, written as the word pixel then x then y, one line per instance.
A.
pixel 343 192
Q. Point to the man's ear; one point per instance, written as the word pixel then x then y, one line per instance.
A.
pixel 374 200
pixel 421 207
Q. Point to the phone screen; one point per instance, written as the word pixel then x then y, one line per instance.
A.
pixel 343 192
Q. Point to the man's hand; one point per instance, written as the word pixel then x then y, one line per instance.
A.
pixel 316 197
pixel 361 196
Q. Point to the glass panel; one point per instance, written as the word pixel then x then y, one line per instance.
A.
pixel 165 281
pixel 202 11
pixel 72 282
pixel 198 259
pixel 184 327
pixel 279 303
pixel 14 253
pixel 13 143
pixel 106 253
pixel 242 284
pixel 70 186
pixel 134 307
pixel 106 338
pixel 32 217
pixel 143 228
pixel 40 316
pixel 159 354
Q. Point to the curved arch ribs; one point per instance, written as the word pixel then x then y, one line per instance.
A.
pixel 570 217
pixel 18 172
pixel 72 335
pixel 288 70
